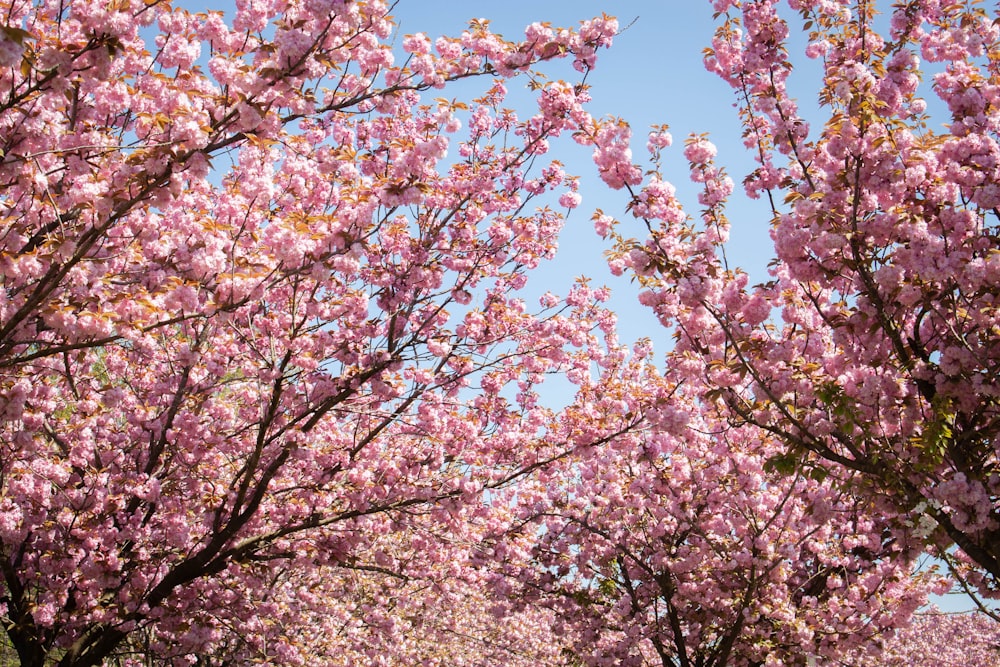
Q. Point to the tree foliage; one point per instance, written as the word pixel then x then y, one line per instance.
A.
pixel 873 347
pixel 270 392
pixel 253 323
pixel 681 545
pixel 937 638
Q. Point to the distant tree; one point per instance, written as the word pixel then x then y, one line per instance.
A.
pixel 406 598
pixel 937 639
pixel 874 348
pixel 255 315
pixel 678 546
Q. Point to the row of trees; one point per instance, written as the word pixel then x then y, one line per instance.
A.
pixel 269 391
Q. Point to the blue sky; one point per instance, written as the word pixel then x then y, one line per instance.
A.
pixel 652 75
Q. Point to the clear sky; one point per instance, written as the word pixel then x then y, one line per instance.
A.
pixel 652 75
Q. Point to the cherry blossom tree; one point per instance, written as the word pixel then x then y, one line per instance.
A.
pixel 678 545
pixel 937 639
pixel 260 314
pixel 873 348
pixel 406 598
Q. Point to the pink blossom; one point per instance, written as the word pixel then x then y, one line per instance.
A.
pixel 417 44
pixel 603 224
pixel 699 151
pixel 570 200
pixel 11 51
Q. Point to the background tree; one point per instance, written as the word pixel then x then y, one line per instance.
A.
pixel 873 348
pixel 679 546
pixel 407 597
pixel 253 316
pixel 937 638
